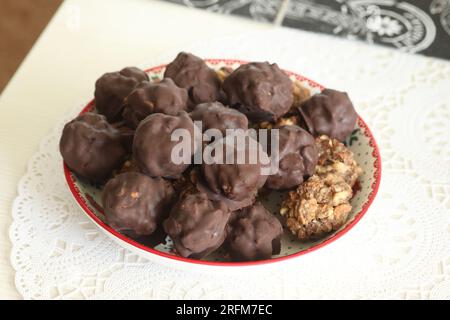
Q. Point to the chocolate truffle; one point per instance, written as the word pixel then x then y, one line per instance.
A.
pixel 91 147
pixel 192 73
pixel 154 97
pixel 135 203
pixel 152 145
pixel 328 113
pixel 260 90
pixel 297 158
pixel 253 234
pixel 112 88
pixel 196 225
pixel 236 183
pixel 215 116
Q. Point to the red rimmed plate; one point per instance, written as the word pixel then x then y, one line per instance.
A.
pixel 361 142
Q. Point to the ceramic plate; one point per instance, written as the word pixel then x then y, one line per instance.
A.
pixel 361 142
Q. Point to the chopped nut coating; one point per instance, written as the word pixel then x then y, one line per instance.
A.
pixel 336 158
pixel 317 207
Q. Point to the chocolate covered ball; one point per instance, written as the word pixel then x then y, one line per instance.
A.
pixel 112 88
pixel 215 115
pixel 253 234
pixel 154 97
pixel 135 204
pixel 153 145
pixel 328 113
pixel 260 90
pixel 196 225
pixel 297 158
pixel 135 73
pixel 236 182
pixel 192 73
pixel 92 147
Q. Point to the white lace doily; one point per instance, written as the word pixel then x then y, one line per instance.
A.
pixel 400 249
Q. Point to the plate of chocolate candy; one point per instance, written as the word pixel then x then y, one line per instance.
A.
pixel 190 211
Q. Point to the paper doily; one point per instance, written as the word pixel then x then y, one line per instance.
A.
pixel 400 249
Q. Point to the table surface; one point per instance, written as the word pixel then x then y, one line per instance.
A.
pixel 84 40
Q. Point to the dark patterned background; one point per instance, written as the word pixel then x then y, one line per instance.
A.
pixel 421 26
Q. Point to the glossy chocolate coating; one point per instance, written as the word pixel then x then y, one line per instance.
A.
pixel 253 233
pixel 152 145
pixel 197 225
pixel 192 73
pixel 112 88
pixel 215 115
pixel 135 203
pixel 232 205
pixel 237 182
pixel 92 147
pixel 154 97
pixel 328 113
pixel 297 158
pixel 260 90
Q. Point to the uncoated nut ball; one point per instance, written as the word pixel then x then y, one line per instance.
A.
pixel 319 206
pixel 336 158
